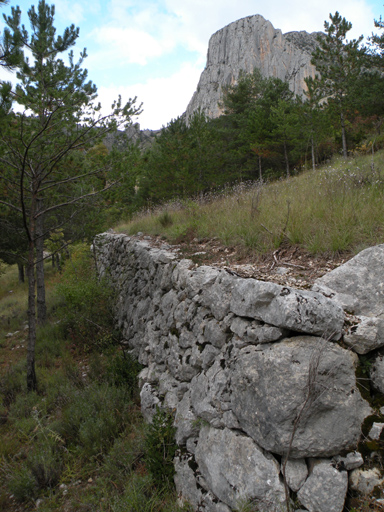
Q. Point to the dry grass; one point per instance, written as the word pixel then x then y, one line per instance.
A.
pixel 337 208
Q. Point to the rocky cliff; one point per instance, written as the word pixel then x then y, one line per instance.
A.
pixel 247 44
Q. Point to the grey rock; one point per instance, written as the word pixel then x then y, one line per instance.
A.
pixel 215 333
pixel 377 373
pixel 364 481
pixel 269 392
pixel 247 44
pixel 357 285
pixel 285 307
pixel 208 391
pixel 210 504
pixel 367 335
pixel 236 469
pixel 353 460
pixel 185 421
pixel 296 472
pixel 325 489
pixel 200 279
pixel 376 431
pixel 185 482
pixel 218 296
pixel 149 402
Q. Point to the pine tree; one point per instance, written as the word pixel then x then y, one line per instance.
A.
pixel 43 147
pixel 339 63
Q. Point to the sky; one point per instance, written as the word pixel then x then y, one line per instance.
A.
pixel 156 50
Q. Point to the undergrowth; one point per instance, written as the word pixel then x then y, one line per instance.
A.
pixel 336 208
pixel 79 442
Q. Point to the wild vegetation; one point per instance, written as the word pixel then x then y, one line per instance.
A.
pixel 336 208
pixel 78 441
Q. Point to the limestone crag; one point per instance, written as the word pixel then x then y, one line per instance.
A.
pixel 257 393
pixel 247 44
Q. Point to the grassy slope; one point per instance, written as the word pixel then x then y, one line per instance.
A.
pixel 79 442
pixel 339 207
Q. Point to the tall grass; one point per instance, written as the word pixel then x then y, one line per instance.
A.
pixel 338 207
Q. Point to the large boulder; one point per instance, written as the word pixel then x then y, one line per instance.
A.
pixel 236 470
pixel 357 285
pixel 296 310
pixel 299 393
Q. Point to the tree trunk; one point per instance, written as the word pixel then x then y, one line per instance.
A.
pixel 31 375
pixel 41 304
pixel 313 153
pixel 260 171
pixel 343 135
pixel 20 266
pixel 286 159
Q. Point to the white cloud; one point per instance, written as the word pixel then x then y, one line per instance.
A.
pixel 163 98
pixel 128 45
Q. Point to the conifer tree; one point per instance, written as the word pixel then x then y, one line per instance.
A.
pixel 44 142
pixel 339 63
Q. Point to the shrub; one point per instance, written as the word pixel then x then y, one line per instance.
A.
pixel 87 303
pixel 123 370
pixel 94 417
pixel 160 447
pixel 22 484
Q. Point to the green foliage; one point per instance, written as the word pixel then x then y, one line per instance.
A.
pixel 122 371
pixel 160 447
pixel 87 303
pixel 93 418
pixel 22 484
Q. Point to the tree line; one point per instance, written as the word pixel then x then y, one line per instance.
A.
pixel 266 131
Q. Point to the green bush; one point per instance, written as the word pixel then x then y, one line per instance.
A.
pixel 94 417
pixel 12 383
pixel 125 455
pixel 22 484
pixel 160 447
pixel 45 462
pixel 123 370
pixel 86 309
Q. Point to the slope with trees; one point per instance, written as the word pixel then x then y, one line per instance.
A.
pixel 44 144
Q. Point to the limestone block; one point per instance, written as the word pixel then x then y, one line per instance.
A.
pixel 215 333
pixel 376 431
pixel 377 373
pixel 285 307
pixel 149 402
pixel 185 482
pixel 200 279
pixel 367 335
pixel 364 481
pixel 352 460
pixel 208 392
pixel 217 298
pixel 303 377
pixel 296 472
pixel 357 285
pixel 186 422
pixel 325 489
pixel 236 469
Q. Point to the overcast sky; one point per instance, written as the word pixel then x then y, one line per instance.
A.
pixel 156 49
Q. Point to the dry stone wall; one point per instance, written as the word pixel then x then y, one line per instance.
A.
pixel 264 393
